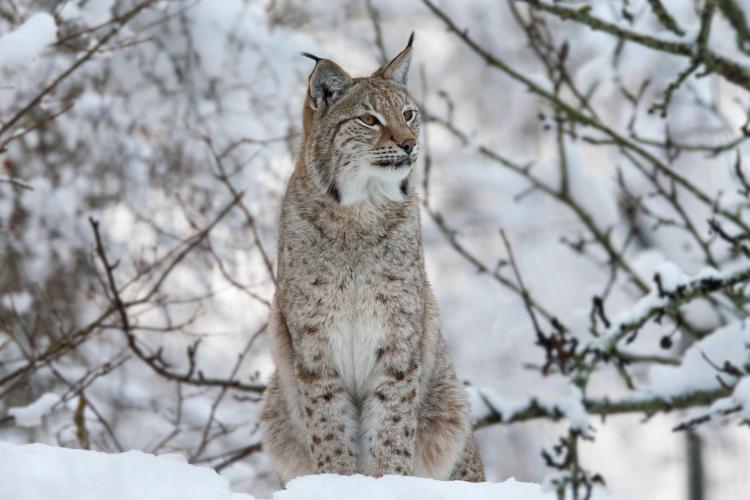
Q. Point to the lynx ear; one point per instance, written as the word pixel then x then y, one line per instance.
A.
pixel 327 83
pixel 398 69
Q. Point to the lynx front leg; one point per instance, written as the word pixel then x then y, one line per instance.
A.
pixel 327 411
pixel 389 420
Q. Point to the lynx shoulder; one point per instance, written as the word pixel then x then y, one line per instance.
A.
pixel 363 382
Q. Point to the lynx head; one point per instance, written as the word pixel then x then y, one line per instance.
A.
pixel 361 134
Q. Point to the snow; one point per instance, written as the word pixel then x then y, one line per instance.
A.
pixel 328 487
pixel 19 302
pixel 70 11
pixel 40 472
pixel 506 407
pixel 26 42
pixel 31 415
pixel 672 276
pixel 96 12
pixel 91 12
pixel 485 401
pixel 695 372
pixel 571 405
pixel 741 395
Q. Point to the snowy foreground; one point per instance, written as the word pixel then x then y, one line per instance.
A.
pixel 40 472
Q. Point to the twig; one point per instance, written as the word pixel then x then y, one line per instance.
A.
pixel 665 18
pixel 17 183
pixel 375 18
pixel 694 422
pixel 525 295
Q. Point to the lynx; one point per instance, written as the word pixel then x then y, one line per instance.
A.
pixel 364 382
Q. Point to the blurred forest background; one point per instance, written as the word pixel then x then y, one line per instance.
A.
pixel 145 147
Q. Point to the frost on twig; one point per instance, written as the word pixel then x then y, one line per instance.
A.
pixel 17 183
pixel 488 409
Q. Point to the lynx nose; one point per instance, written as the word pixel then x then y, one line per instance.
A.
pixel 408 145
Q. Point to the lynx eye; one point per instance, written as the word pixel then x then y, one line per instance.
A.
pixel 409 115
pixel 369 120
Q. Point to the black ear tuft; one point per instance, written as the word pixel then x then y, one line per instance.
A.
pixel 411 40
pixel 311 56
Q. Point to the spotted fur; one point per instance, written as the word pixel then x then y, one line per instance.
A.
pixel 363 382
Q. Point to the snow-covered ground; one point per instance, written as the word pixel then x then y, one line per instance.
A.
pixel 40 472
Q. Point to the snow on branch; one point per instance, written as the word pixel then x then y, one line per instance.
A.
pixel 695 382
pixel 26 42
pixel 737 402
pixel 494 410
pixel 697 51
pixel 36 34
pixel 672 290
pixel 585 116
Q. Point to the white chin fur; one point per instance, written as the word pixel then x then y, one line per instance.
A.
pixel 367 181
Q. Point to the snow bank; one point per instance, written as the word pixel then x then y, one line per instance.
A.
pixel 40 472
pixel 329 487
pixel 27 41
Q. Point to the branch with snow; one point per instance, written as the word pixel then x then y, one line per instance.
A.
pixel 584 117
pixel 46 25
pixel 672 290
pixel 695 50
pixel 17 183
pixel 489 409
pixel 736 403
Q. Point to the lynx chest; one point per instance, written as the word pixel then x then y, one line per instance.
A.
pixel 356 332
